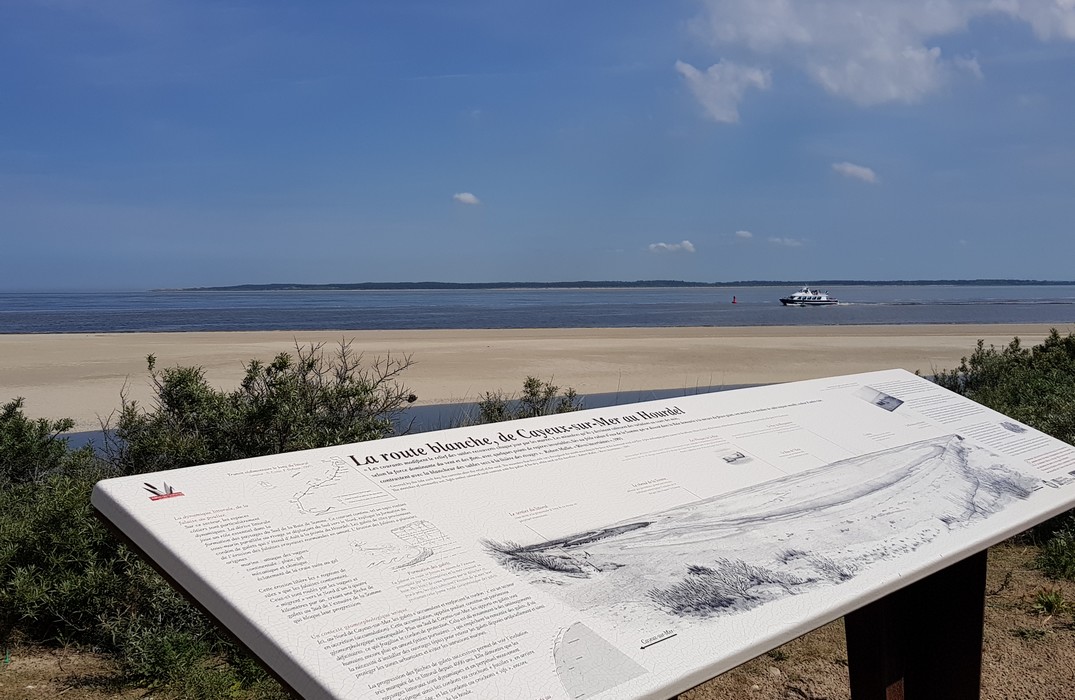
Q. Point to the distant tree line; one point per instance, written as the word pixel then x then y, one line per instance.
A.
pixel 617 284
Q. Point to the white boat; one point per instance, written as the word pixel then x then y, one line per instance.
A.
pixel 809 297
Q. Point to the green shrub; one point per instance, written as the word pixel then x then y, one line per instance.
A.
pixel 295 402
pixel 538 399
pixel 65 579
pixel 1050 601
pixel 1057 556
pixel 30 449
pixel 58 566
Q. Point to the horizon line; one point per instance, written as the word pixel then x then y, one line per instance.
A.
pixel 428 285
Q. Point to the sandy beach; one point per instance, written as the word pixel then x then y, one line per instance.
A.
pixel 80 376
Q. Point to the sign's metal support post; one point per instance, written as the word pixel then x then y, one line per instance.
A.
pixel 923 642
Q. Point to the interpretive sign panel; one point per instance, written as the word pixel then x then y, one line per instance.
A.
pixel 631 551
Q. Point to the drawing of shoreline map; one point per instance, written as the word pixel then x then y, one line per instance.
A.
pixel 335 486
pixel 734 552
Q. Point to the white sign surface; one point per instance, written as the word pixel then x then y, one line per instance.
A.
pixel 631 551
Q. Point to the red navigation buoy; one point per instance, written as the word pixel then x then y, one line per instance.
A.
pixel 733 300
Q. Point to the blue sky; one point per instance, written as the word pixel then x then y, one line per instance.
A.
pixel 151 143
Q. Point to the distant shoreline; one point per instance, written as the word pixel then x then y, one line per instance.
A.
pixel 610 284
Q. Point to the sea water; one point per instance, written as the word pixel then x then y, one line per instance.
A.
pixel 170 311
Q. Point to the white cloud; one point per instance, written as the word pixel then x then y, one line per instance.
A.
pixel 786 242
pixel 970 65
pixel 1049 18
pixel 721 87
pixel 745 235
pixel 682 247
pixel 858 172
pixel 869 51
pixel 466 198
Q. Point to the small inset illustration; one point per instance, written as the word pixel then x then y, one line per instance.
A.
pixel 736 457
pixel 879 398
pixel 419 541
pixel 333 486
pixel 1014 427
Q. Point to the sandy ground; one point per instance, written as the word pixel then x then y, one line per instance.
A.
pixel 80 376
